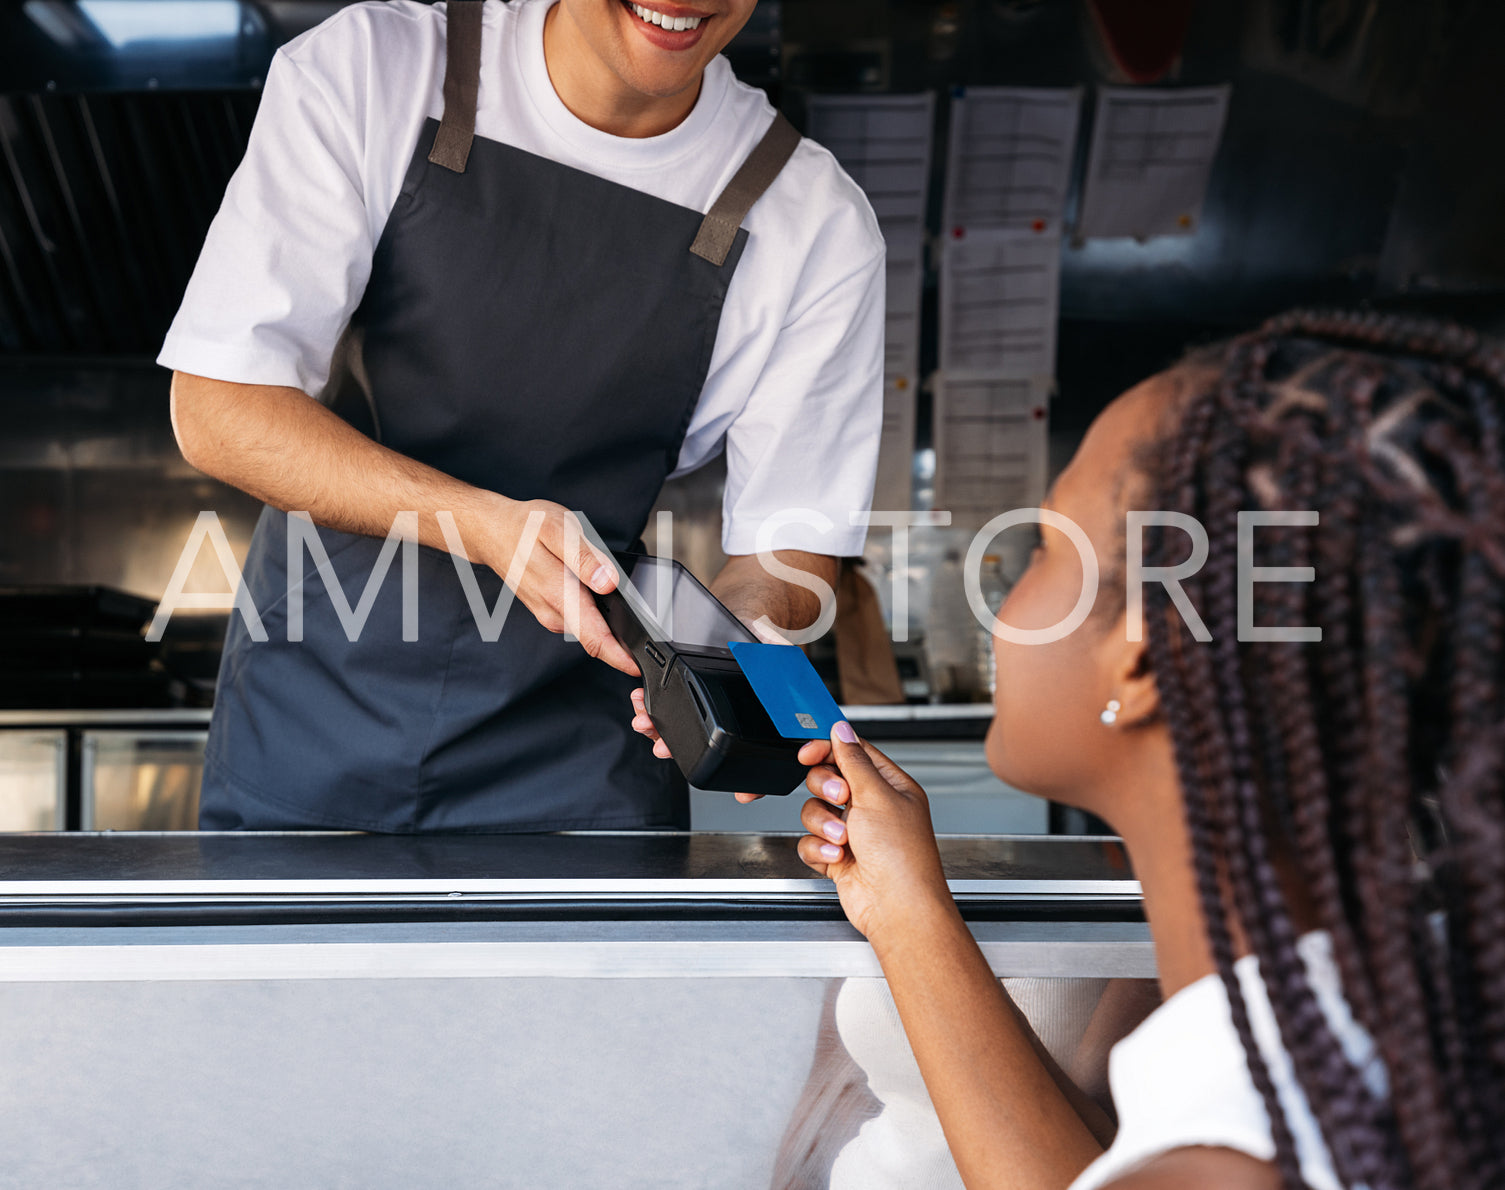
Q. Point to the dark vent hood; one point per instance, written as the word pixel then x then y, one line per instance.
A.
pixel 72 46
pixel 121 122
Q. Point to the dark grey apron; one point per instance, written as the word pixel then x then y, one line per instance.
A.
pixel 533 330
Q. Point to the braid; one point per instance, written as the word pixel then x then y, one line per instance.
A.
pixel 1207 838
pixel 1369 762
pixel 1295 781
pixel 1203 758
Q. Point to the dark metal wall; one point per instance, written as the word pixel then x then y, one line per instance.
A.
pixel 92 486
pixel 104 201
pixel 1360 163
pixel 1357 159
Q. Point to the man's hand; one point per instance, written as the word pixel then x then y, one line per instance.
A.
pixel 748 590
pixel 540 552
pixel 289 451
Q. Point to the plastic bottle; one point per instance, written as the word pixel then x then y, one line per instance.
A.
pixel 995 589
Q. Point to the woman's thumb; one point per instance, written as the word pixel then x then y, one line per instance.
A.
pixel 849 756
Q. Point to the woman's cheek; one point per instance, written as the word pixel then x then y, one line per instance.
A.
pixel 1039 699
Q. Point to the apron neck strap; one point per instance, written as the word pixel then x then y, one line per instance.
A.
pixel 462 85
pixel 719 228
pixel 457 131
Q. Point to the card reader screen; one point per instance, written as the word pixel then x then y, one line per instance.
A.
pixel 683 611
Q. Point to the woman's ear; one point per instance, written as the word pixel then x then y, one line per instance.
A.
pixel 1130 680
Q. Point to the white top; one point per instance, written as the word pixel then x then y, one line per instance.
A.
pixel 902 1147
pixel 1180 1079
pixel 794 390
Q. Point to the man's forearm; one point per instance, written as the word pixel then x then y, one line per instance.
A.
pixel 291 452
pixel 747 588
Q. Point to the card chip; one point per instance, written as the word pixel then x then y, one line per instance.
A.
pixel 806 720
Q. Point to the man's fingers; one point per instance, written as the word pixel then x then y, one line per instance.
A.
pixel 566 538
pixel 640 717
pixel 747 799
pixel 583 621
pixel 642 722
pixel 596 571
pixel 597 640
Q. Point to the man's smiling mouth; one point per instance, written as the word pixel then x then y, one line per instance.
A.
pixel 663 20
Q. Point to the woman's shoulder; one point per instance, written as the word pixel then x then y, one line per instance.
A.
pixel 1184 1094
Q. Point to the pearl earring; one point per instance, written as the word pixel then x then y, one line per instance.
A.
pixel 1110 716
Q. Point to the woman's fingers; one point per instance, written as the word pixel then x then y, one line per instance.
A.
pixel 856 766
pixel 890 772
pixel 824 781
pixel 818 855
pixel 814 752
pixel 822 822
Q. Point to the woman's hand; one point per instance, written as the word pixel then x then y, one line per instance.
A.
pixel 882 855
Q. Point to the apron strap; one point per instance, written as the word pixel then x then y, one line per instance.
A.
pixel 719 228
pixel 462 85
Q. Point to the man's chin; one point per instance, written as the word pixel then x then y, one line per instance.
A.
pixel 654 82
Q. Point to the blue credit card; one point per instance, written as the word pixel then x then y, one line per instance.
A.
pixel 789 688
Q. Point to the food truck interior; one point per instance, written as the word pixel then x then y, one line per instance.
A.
pixel 646 1009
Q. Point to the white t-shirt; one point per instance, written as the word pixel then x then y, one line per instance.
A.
pixel 1181 1078
pixel 903 1147
pixel 794 390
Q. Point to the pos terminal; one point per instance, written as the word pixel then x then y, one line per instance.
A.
pixel 687 644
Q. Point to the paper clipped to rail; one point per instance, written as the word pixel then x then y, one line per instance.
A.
pixel 1000 289
pixel 991 445
pixel 1010 155
pixel 1150 161
pixel 884 142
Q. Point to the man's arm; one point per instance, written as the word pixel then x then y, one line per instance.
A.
pixel 291 452
pixel 746 587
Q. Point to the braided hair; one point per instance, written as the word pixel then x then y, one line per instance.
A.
pixel 1371 763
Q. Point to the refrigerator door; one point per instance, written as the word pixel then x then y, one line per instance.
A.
pixel 33 776
pixel 142 781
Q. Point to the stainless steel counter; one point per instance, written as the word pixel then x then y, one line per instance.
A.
pixel 683 867
pixel 587 1009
